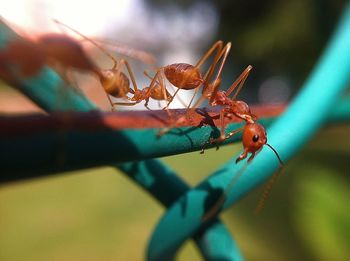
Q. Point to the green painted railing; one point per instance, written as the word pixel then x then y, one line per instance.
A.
pixel 131 150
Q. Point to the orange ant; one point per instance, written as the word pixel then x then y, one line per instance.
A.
pixel 30 56
pixel 116 83
pixel 254 134
pixel 210 91
pixel 183 75
pixel 254 137
pixel 216 97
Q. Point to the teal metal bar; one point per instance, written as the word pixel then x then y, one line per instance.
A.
pixel 214 241
pixel 55 138
pixel 307 113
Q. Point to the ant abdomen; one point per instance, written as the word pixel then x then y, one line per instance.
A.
pixel 183 75
pixel 115 83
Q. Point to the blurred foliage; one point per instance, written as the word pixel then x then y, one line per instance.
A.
pixel 322 217
pixel 276 37
pixel 87 215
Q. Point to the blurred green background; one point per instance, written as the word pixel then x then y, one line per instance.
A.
pixel 98 214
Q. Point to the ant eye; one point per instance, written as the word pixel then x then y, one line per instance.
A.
pixel 255 137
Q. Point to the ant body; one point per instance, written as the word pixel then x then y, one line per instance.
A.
pixel 254 134
pixel 28 56
pixel 117 84
pixel 254 137
pixel 185 76
pixel 64 52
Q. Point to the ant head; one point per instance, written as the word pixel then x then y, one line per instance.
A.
pixel 254 137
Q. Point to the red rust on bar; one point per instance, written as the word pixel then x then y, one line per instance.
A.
pixel 96 120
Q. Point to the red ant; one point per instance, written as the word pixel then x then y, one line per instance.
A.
pixel 216 97
pixel 254 134
pixel 254 137
pixel 30 56
pixel 116 83
pixel 183 75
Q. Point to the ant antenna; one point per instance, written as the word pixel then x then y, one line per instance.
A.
pixel 87 39
pixel 269 185
pixel 276 153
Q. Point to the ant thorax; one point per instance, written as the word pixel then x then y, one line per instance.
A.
pixel 140 95
pixel 242 110
pixel 221 99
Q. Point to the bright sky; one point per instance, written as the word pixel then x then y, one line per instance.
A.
pixel 36 15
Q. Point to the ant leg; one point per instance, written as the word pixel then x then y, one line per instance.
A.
pixel 163 88
pixel 110 101
pixel 103 50
pixel 171 99
pixel 122 103
pixel 125 103
pixel 217 80
pixel 122 49
pixel 214 86
pixel 222 133
pixel 146 104
pixel 223 127
pixel 242 156
pixel 178 97
pixel 239 82
pixel 131 74
pixel 216 46
pixel 251 157
pixel 158 79
pixel 165 94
